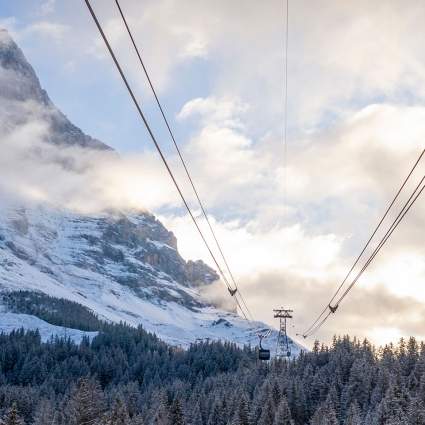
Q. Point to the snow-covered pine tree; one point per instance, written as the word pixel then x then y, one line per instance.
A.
pixel 283 414
pixel 267 413
pixel 45 413
pixel 118 415
pixel 86 404
pixel 325 414
pixel 393 407
pixel 176 413
pixel 353 415
pixel 195 415
pixel 416 411
pixel 217 416
pixel 12 417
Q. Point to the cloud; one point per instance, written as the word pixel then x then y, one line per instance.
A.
pixel 368 51
pixel 356 125
pixel 341 180
pixel 297 261
pixel 39 29
pixel 224 111
pixel 51 30
pixel 373 313
pixel 47 7
pixel 81 179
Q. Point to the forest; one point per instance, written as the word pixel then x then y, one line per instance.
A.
pixel 126 376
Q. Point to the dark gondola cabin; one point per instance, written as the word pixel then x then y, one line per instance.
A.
pixel 263 354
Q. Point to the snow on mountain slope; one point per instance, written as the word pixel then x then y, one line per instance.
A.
pixel 13 321
pixel 23 100
pixel 122 266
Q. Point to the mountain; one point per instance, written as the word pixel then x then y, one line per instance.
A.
pixel 121 265
pixel 22 99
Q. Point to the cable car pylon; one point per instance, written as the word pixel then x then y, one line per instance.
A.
pixel 282 346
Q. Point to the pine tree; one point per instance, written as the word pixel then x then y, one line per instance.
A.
pixel 242 412
pixel 416 411
pixel 196 416
pixel 394 405
pixel 217 416
pixel 283 414
pixel 176 413
pixel 161 412
pixel 325 415
pixel 118 414
pixel 45 413
pixel 267 413
pixel 12 417
pixel 353 415
pixel 86 404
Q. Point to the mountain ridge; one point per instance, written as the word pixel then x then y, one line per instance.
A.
pixel 21 91
pixel 122 265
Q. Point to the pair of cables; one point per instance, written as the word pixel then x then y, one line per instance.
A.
pixel 233 290
pixel 339 295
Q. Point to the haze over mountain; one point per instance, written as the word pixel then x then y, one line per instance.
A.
pixel 122 265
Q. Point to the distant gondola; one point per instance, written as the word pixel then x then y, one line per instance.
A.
pixel 263 353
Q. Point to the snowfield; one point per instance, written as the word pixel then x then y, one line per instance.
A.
pixel 13 321
pixel 123 266
pixel 66 255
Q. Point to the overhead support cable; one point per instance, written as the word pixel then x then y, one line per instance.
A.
pixel 285 106
pixel 414 196
pixel 401 215
pixel 412 199
pixel 158 148
pixel 235 291
pixel 390 206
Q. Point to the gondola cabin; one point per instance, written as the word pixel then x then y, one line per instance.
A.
pixel 263 354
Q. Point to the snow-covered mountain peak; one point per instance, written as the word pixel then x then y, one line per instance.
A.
pixel 23 100
pixel 123 266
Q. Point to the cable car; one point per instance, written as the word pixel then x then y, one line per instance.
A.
pixel 263 353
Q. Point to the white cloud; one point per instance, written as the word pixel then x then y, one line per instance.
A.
pixel 224 112
pixel 72 177
pixel 48 29
pixel 47 7
pixel 356 126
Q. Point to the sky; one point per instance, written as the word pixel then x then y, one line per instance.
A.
pixel 356 124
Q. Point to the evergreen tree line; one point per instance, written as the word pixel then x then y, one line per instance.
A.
pixel 56 311
pixel 126 376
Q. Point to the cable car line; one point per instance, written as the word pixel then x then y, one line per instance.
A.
pixel 395 224
pixel 387 235
pixel 158 148
pixel 285 105
pixel 232 292
pixel 406 207
pixel 328 306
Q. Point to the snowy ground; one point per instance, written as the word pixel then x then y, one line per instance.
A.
pixel 61 255
pixel 12 321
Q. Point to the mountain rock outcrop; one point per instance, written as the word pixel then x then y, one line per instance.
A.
pixel 22 99
pixel 121 265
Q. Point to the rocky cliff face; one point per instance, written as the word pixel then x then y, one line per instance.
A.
pixel 134 251
pixel 122 267
pixel 22 99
